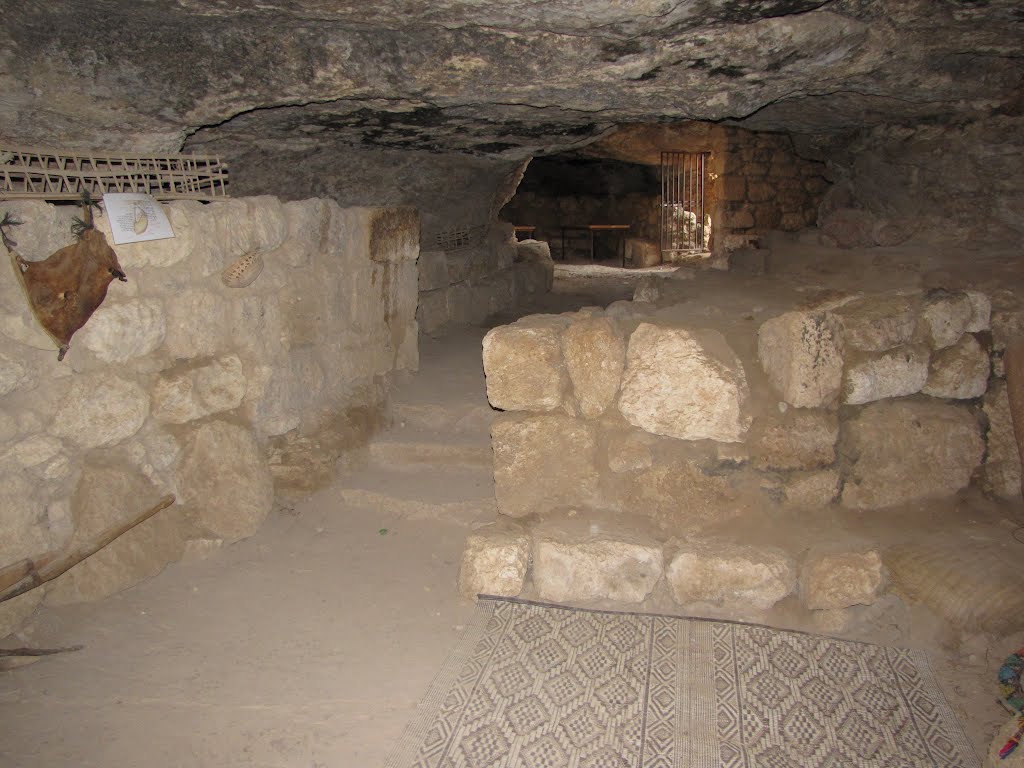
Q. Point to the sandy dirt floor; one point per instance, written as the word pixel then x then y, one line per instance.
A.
pixel 311 643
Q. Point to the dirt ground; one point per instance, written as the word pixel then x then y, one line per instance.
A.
pixel 310 643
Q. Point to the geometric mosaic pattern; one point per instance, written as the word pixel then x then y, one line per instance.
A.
pixel 542 686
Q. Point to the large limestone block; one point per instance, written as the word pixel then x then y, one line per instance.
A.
pixel 197 324
pixel 730 575
pixel 244 225
pixel 190 392
pixel 524 365
pixel 1002 475
pixel 106 495
pixel 432 311
pixel 120 331
pixel 981 312
pixel 224 477
pixel 595 356
pixel 802 353
pixel 594 568
pixel 23 528
pixel 812 490
pixel 542 462
pixel 878 323
pixel 308 223
pixel 537 254
pixel 894 373
pixel 100 409
pixel 837 579
pixel 494 562
pixel 907 450
pixel 13 376
pixel 946 316
pixel 684 384
pixel 797 439
pixel 432 270
pixel 959 372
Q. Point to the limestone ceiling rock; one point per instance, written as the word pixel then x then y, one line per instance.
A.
pixel 510 79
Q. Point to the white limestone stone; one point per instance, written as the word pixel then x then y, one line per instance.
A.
pixel 595 355
pixel 1002 471
pixel 813 489
pixel 945 317
pixel 100 409
pixel 22 520
pixel 834 580
pixel 802 353
pixel 197 324
pixel 894 373
pixel 684 384
pixel 960 371
pixel 494 562
pixel 981 312
pixel 120 331
pixel 906 450
pixel 433 270
pixel 595 568
pixel 542 462
pixel 730 575
pixel 13 375
pixel 878 323
pixel 224 478
pixel 797 439
pixel 524 365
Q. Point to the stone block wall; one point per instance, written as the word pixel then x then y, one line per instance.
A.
pixel 180 384
pixel 624 414
pixel 765 185
pixel 464 287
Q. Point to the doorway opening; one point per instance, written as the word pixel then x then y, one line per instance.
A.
pixel 685 219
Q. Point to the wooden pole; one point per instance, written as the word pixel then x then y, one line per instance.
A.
pixel 25 575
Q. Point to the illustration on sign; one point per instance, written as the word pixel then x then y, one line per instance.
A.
pixel 136 217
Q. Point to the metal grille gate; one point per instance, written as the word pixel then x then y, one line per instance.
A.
pixel 685 224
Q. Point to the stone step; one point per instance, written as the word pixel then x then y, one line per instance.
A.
pixel 460 495
pixel 461 418
pixel 399 448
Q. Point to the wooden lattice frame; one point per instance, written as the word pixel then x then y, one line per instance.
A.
pixel 45 175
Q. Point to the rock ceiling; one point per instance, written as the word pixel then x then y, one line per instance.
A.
pixel 507 79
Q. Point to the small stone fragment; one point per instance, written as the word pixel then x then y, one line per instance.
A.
pixel 494 562
pixel 831 580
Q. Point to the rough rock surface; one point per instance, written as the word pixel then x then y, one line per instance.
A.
pixel 730 575
pixel 106 495
pixel 684 384
pixel 894 373
pixel 595 355
pixel 494 562
pixel 797 439
pixel 835 580
pixel 946 316
pixel 195 392
pixel 878 323
pixel 542 462
pixel 909 449
pixel 802 353
pixel 117 332
pixel 1002 471
pixel 812 490
pixel 224 478
pixel 592 568
pixel 524 366
pixel 101 410
pixel 959 372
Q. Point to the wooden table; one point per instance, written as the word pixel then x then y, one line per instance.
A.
pixel 592 229
pixel 528 231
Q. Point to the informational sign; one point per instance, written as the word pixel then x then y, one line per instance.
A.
pixel 136 217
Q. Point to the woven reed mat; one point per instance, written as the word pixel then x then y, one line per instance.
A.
pixel 543 686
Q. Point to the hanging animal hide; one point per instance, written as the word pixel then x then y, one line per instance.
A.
pixel 66 288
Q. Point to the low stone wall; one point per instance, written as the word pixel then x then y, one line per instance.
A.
pixel 464 287
pixel 869 402
pixel 180 384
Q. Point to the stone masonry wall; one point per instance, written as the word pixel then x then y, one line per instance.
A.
pixel 180 384
pixel 664 433
pixel 766 186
